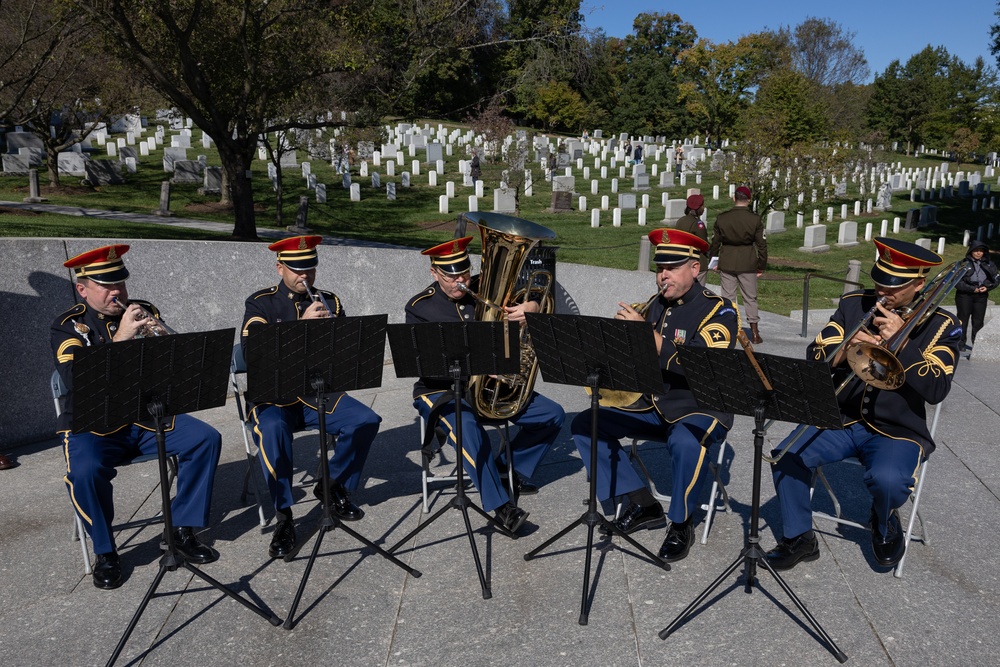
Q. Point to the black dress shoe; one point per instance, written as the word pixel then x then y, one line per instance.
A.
pixel 511 517
pixel 108 571
pixel 677 543
pixel 522 487
pixel 188 546
pixel 788 553
pixel 283 540
pixel 890 549
pixel 637 517
pixel 340 502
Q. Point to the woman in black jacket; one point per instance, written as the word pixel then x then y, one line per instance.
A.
pixel 971 291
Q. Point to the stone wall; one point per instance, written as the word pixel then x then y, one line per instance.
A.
pixel 201 285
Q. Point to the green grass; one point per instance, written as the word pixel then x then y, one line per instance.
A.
pixel 413 219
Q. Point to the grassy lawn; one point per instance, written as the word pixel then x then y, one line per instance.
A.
pixel 413 219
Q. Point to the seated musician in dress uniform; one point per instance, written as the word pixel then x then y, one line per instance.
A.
pixel 106 315
pixel 353 423
pixel 682 312
pixel 885 429
pixel 539 422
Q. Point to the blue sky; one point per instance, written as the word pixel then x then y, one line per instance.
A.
pixel 885 31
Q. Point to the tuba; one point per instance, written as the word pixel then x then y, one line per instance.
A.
pixel 506 243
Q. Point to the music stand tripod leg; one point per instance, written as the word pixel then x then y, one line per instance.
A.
pixel 752 552
pixel 460 500
pixel 328 522
pixel 171 559
pixel 592 518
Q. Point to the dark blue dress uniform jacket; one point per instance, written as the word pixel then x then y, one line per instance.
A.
pixel 928 358
pixel 280 304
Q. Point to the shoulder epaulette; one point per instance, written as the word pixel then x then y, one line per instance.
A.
pixel 423 295
pixel 264 292
pixel 75 311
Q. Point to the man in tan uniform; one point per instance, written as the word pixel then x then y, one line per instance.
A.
pixel 738 241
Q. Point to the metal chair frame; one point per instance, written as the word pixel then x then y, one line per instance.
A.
pixel 78 532
pixel 428 477
pixel 718 497
pixel 914 518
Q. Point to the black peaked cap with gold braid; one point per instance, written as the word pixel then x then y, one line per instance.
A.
pixel 102 265
pixel 451 257
pixel 899 262
pixel 298 252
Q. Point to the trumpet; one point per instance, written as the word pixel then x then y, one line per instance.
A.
pixel 151 324
pixel 316 295
pixel 616 398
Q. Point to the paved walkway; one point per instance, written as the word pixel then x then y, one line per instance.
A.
pixel 359 609
pixel 173 221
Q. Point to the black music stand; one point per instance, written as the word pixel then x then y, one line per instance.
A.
pixel 286 360
pixel 457 351
pixel 598 353
pixel 128 382
pixel 800 391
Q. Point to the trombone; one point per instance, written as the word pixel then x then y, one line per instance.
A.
pixel 878 365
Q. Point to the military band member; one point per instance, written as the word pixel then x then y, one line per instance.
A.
pixel 886 430
pixel 682 313
pixel 353 423
pixel 106 315
pixel 539 422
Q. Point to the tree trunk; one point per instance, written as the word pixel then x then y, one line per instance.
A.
pixel 236 164
pixel 52 157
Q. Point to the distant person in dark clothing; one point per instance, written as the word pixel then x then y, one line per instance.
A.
pixel 693 222
pixel 475 170
pixel 637 154
pixel 971 291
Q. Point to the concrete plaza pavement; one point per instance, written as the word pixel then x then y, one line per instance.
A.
pixel 359 609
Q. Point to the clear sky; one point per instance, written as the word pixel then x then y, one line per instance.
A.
pixel 884 30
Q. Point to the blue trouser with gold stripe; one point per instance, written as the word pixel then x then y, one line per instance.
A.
pixel 890 471
pixel 90 467
pixel 688 440
pixel 538 425
pixel 353 423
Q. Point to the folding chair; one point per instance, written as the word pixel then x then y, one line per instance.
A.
pixel 718 497
pixel 237 383
pixel 915 516
pixel 427 476
pixel 77 530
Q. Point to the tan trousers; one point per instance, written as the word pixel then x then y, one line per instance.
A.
pixel 747 283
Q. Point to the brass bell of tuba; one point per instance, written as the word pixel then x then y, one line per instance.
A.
pixel 506 243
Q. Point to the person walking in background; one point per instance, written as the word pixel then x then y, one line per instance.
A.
pixel 738 241
pixel 971 291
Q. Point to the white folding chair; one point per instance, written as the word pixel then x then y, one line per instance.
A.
pixel 914 518
pixel 237 384
pixel 428 476
pixel 77 530
pixel 718 497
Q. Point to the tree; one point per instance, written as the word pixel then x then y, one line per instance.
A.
pixel 233 66
pixel 788 105
pixel 559 107
pixel 650 99
pixel 719 80
pixel 54 84
pixel 824 53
